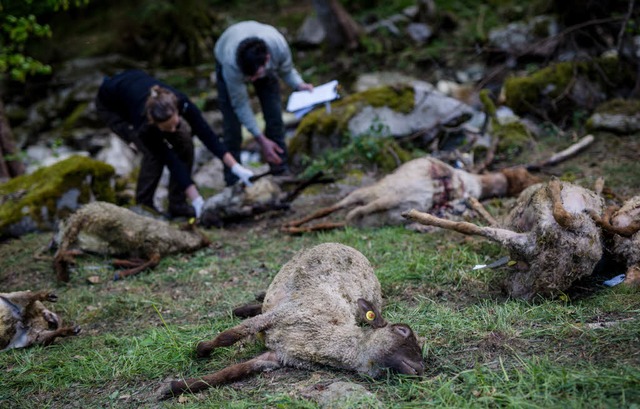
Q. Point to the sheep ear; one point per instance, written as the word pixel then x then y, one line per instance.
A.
pixel 402 330
pixel 370 314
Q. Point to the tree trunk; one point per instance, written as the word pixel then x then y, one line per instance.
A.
pixel 10 166
pixel 342 31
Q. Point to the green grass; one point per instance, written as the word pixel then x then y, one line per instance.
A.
pixel 481 349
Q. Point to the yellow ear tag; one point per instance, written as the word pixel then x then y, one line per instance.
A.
pixel 192 220
pixel 370 315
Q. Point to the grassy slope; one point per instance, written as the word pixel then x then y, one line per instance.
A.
pixel 480 349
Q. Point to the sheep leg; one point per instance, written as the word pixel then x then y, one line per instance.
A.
pixel 27 298
pixel 317 227
pixel 632 277
pixel 605 223
pixel 505 237
pixel 480 209
pixel 248 310
pixel 318 214
pixel 65 257
pixel 232 335
pixel 152 262
pixel 377 205
pixel 62 260
pixel 560 214
pixel 47 337
pixel 265 362
pixel 128 263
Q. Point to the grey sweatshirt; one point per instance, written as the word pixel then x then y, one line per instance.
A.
pixel 280 62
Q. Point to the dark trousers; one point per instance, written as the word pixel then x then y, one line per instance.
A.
pixel 268 92
pixel 151 168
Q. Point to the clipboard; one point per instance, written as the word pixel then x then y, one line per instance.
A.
pixel 301 102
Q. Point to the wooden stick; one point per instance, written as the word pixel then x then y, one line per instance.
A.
pixel 479 208
pixel 564 154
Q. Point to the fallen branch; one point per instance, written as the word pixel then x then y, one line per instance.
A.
pixel 564 154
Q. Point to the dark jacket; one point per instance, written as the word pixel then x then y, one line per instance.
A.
pixel 121 102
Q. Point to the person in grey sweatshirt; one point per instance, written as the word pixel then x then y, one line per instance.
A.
pixel 252 52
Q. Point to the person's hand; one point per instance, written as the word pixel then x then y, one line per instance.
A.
pixel 305 87
pixel 198 204
pixel 134 148
pixel 270 150
pixel 242 173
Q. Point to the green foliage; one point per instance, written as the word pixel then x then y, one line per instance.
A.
pixel 15 32
pixel 363 151
pixel 18 25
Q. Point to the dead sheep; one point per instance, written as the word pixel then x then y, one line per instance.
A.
pixel 267 193
pixel 422 184
pixel 107 229
pixel 323 307
pixel 622 225
pixel 25 321
pixel 548 233
pixel 238 202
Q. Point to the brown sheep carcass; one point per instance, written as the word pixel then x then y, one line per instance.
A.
pixel 104 228
pixel 548 233
pixel 25 321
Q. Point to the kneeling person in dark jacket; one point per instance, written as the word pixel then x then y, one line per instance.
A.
pixel 160 122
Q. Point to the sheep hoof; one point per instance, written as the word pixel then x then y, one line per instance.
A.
pixel 203 350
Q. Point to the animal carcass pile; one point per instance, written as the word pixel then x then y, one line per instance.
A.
pixel 323 307
pixel 549 233
pixel 422 184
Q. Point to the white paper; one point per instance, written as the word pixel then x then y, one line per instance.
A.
pixel 305 99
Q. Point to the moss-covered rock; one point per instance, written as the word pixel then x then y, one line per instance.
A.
pixel 321 130
pixel 36 202
pixel 556 91
pixel 618 115
pixel 388 111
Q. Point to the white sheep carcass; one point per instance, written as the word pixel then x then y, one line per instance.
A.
pixel 323 307
pixel 422 184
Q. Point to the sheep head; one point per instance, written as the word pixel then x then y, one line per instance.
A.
pixel 392 346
